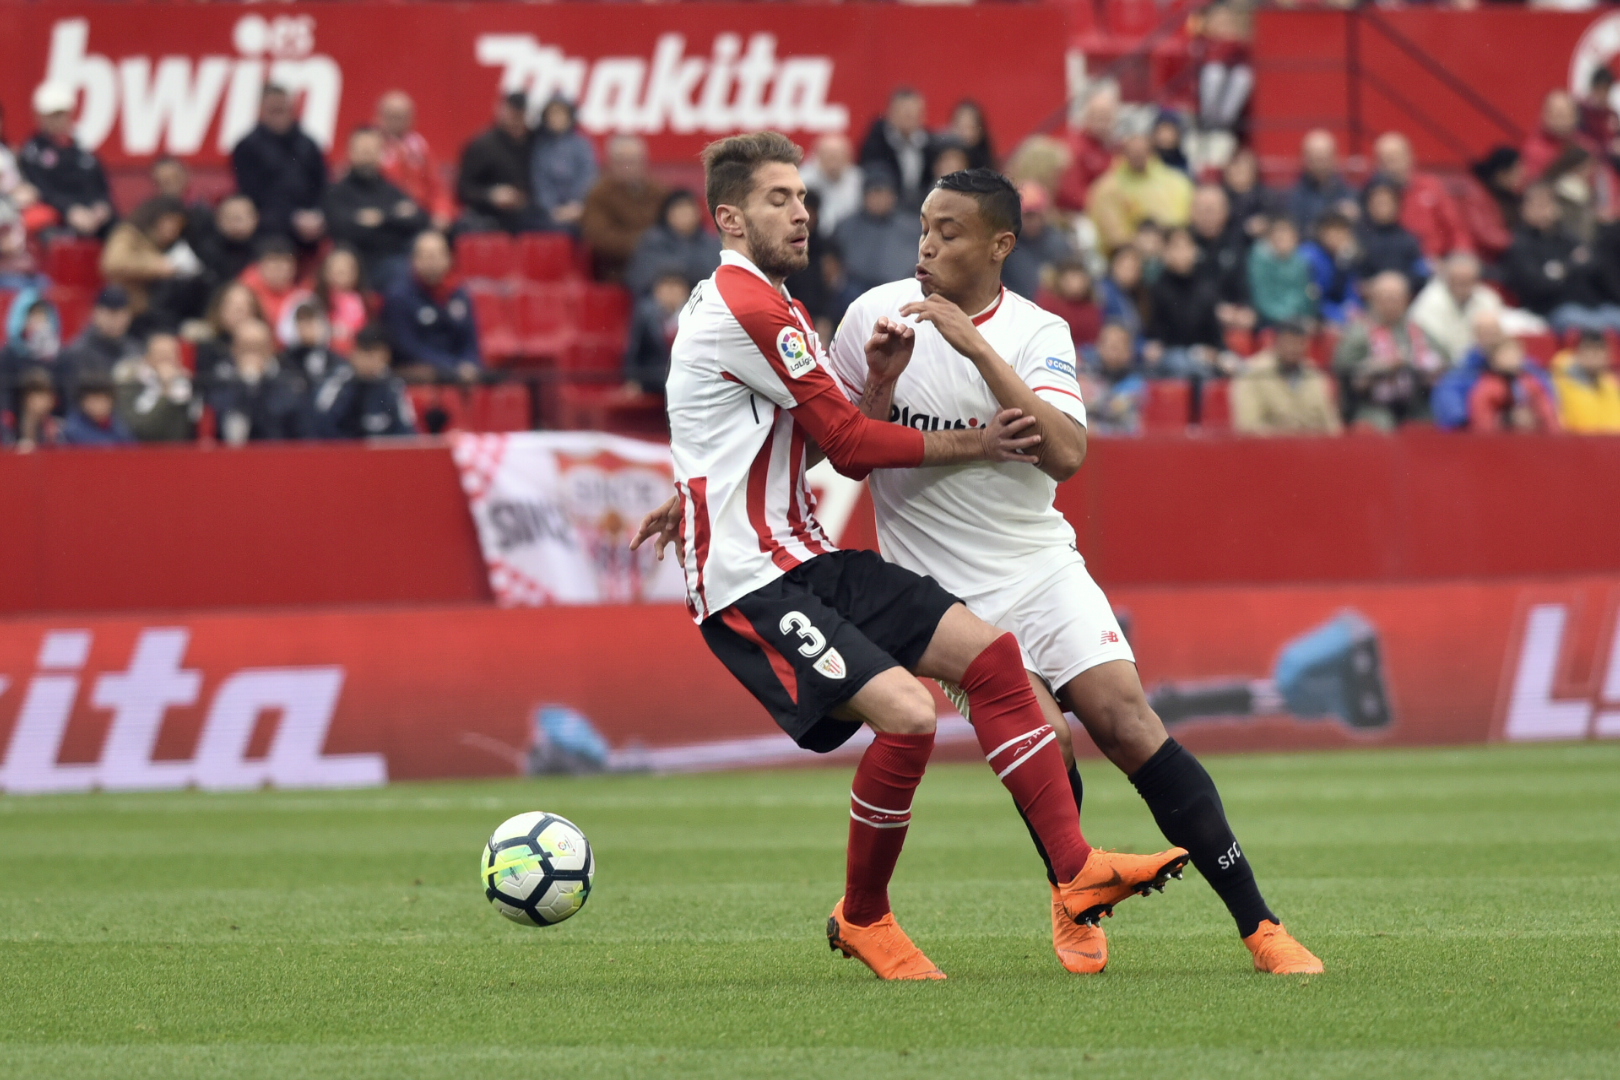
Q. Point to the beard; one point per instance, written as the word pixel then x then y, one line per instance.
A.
pixel 777 260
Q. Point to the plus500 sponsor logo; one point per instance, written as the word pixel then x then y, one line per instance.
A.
pixel 170 103
pixel 156 680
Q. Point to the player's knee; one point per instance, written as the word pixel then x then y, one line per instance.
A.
pixel 911 712
pixel 1120 722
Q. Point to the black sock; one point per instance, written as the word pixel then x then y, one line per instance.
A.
pixel 1187 807
pixel 1079 789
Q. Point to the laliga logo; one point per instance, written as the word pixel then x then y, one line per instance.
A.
pixel 1533 712
pixel 733 89
pixel 170 105
pixel 305 698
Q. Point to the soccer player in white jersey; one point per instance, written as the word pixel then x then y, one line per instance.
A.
pixel 989 532
pixel 828 640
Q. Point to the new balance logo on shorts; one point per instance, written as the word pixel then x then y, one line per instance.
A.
pixel 1110 637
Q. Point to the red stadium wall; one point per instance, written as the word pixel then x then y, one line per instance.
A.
pixel 1456 82
pixel 345 697
pixel 157 78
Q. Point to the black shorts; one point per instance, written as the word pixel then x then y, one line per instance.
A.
pixel 808 641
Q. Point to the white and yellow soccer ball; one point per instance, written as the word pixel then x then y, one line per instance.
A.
pixel 537 869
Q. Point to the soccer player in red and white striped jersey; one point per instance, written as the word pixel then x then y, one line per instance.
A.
pixel 829 640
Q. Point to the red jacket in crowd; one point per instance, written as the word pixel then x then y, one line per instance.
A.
pixel 1430 213
pixel 408 163
pixel 1494 397
pixel 1089 158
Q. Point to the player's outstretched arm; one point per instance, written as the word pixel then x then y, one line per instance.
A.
pixel 1064 439
pixel 1011 436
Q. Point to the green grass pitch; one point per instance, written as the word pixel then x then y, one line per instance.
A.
pixel 1466 902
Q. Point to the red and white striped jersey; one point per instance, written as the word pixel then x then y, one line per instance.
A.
pixel 745 354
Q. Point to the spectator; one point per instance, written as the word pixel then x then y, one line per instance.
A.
pixel 1557 145
pixel 363 399
pixel 1113 385
pixel 949 157
pixel 971 132
pixel 1588 392
pixel 1448 400
pixel 1488 200
pixel 1137 187
pixel 228 248
pixel 1385 361
pixel 34 424
pixel 1280 276
pixel 68 178
pixel 679 242
pixel 148 255
pixel 1091 148
pixel 95 421
pixel 623 205
pixel 1598 122
pixel 563 168
pixel 1184 336
pixel 1251 204
pixel 1552 274
pixel 1223 254
pixel 1125 295
pixel 1427 209
pixel 1334 259
pixel 1041 243
pixel 1507 397
pixel 1449 304
pixel 1225 75
pixel 18 200
pixel 1073 299
pixel 253 399
pixel 365 211
pixel 1279 393
pixel 495 180
pixel 171 177
pixel 899 142
pixel 1167 136
pixel 101 345
pixel 281 169
pixel 429 317
pixel 1384 244
pixel 154 393
pixel 1149 243
pixel 832 174
pixel 1321 188
pixel 233 307
pixel 310 353
pixel 33 343
pixel 337 294
pixel 407 160
pixel 879 244
pixel 652 332
pixel 273 277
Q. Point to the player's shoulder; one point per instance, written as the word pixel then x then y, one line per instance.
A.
pixel 1030 316
pixel 745 292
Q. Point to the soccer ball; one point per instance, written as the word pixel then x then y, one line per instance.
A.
pixel 537 869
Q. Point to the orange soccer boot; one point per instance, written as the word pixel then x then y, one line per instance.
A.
pixel 1080 947
pixel 883 947
pixel 1276 952
pixel 1110 876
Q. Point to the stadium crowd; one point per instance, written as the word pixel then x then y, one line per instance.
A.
pixel 303 304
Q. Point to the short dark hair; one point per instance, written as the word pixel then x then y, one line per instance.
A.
pixel 274 244
pixel 998 199
pixel 729 165
pixel 371 337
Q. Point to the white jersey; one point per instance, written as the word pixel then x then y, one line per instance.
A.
pixel 744 355
pixel 975 527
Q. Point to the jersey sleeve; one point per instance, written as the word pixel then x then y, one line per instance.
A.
pixel 773 355
pixel 848 353
pixel 1047 366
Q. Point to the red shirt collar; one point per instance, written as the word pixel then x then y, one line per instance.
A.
pixel 984 316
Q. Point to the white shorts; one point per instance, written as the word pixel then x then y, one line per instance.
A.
pixel 1064 623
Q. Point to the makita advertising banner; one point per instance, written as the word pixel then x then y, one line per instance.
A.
pixel 185 79
pixel 346 698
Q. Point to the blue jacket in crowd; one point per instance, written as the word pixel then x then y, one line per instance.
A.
pixel 428 325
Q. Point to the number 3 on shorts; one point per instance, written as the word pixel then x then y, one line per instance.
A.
pixel 795 622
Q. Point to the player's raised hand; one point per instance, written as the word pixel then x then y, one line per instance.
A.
pixel 665 524
pixel 953 323
pixel 1008 437
pixel 888 350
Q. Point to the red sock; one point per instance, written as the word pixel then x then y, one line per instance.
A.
pixel 880 812
pixel 1022 750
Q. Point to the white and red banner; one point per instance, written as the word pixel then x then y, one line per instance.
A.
pixel 185 79
pixel 360 696
pixel 555 512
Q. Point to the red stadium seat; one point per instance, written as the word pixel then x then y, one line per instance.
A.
pixel 1132 18
pixel 604 311
pixel 1324 343
pixel 1540 347
pixel 504 407
pixel 1215 405
pixel 74 263
pixel 1168 408
pixel 546 256
pixel 593 361
pixel 73 307
pixel 486 256
pixel 545 321
pixel 497 330
pixel 592 408
pixel 431 400
pixel 1240 341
